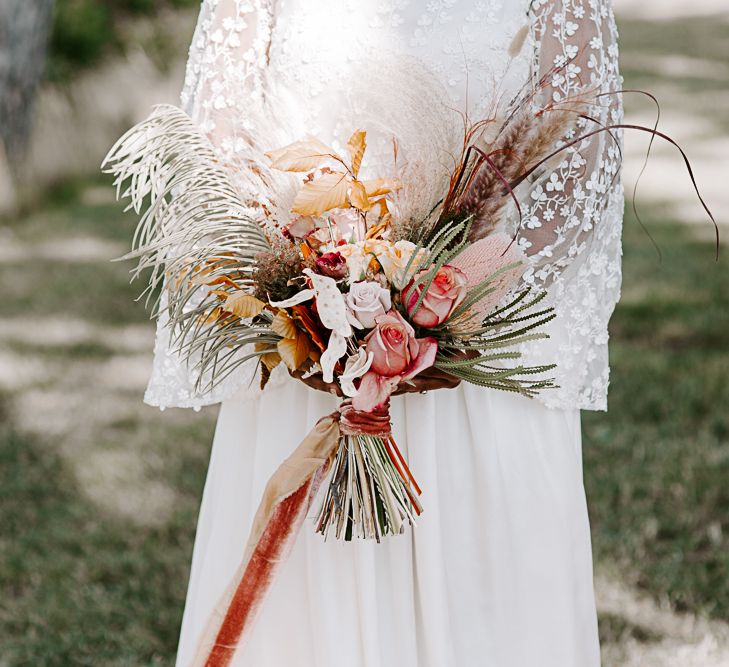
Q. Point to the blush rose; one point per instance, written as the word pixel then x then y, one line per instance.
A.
pixel 447 290
pixel 396 356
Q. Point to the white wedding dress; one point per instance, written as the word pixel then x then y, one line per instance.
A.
pixel 498 571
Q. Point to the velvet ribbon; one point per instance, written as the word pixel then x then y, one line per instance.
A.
pixel 281 513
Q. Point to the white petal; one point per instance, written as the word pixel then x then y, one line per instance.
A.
pixel 330 304
pixel 355 368
pixel 302 296
pixel 335 351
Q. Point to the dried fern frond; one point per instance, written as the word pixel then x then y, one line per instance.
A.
pixel 474 355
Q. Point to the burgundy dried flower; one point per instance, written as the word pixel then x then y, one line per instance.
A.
pixel 331 264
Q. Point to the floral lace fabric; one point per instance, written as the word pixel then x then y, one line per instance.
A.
pixel 262 73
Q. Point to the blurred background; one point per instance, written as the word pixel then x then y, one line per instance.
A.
pixel 99 493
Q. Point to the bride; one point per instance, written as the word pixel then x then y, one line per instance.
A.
pixel 498 571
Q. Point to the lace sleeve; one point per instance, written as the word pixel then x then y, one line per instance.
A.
pixel 577 53
pixel 228 57
pixel 224 85
pixel 572 220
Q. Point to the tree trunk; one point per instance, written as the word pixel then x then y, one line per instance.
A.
pixel 25 26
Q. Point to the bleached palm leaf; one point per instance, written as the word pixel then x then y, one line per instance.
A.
pixel 193 218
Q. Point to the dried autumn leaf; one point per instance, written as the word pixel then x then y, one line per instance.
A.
pixel 271 360
pixel 243 305
pixel 295 351
pixel 322 194
pixel 283 325
pixel 381 203
pixel 358 196
pixel 301 155
pixel 381 186
pixel 265 376
pixel 214 315
pixel 303 315
pixel 270 357
pixel 356 147
pixel 377 230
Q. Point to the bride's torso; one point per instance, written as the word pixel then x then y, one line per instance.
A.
pixel 263 73
pixel 340 62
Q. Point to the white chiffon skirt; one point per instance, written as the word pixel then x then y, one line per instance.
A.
pixel 498 572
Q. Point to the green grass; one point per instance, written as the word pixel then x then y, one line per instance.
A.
pixel 81 588
pixel 81 584
pixel 656 465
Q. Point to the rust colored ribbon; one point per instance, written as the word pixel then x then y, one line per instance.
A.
pixel 285 503
pixel 356 422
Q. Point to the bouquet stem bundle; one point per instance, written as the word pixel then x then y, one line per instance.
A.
pixel 371 492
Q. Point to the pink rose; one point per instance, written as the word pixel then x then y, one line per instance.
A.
pixel 396 356
pixel 446 292
pixel 365 302
pixel 392 344
pixel 331 264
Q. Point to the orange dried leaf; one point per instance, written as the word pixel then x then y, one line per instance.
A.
pixel 283 325
pixel 271 359
pixel 381 186
pixel 377 230
pixel 356 147
pixel 243 305
pixel 303 315
pixel 294 351
pixel 214 315
pixel 305 250
pixel 219 280
pixel 381 203
pixel 301 155
pixel 322 194
pixel 358 197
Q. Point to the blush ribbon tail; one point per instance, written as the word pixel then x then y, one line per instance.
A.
pixel 281 513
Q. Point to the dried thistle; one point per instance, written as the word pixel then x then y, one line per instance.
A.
pixel 275 270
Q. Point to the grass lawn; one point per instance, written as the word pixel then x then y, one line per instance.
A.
pixel 98 494
pixel 656 464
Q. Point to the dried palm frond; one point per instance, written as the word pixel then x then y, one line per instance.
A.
pixel 197 232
